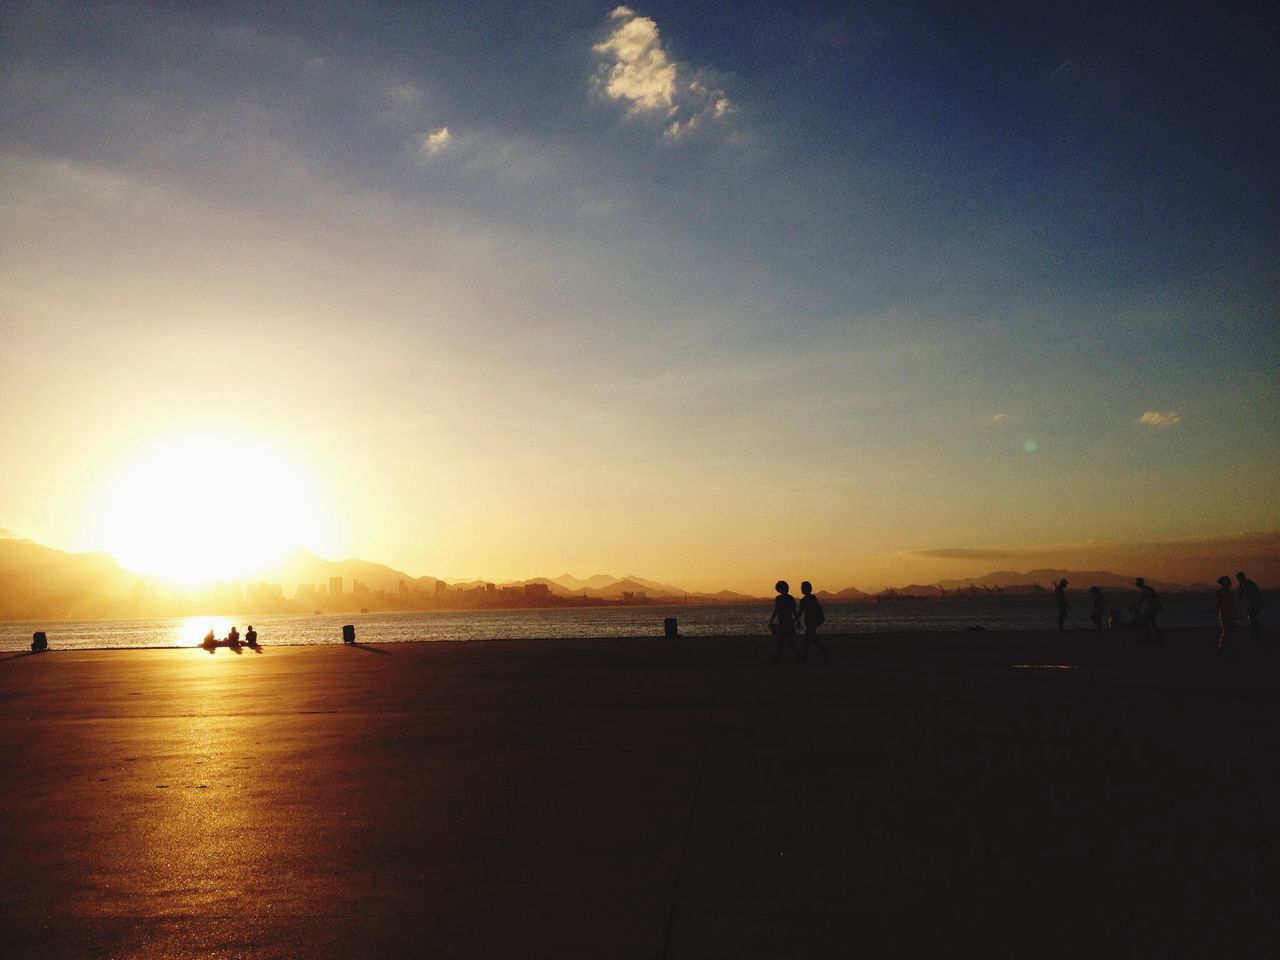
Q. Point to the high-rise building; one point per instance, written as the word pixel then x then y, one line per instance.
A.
pixel 335 587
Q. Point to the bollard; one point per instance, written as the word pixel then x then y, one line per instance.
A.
pixel 349 633
pixel 39 642
pixel 669 627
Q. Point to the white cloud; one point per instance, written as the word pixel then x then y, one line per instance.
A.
pixel 1158 418
pixel 405 92
pixel 999 418
pixel 436 141
pixel 637 70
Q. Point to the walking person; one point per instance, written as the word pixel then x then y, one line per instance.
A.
pixel 1060 597
pixel 782 622
pixel 1099 608
pixel 1149 606
pixel 1253 604
pixel 1226 606
pixel 811 613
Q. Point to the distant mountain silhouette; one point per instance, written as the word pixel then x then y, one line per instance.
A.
pixel 726 596
pixel 1046 577
pixel 303 566
pixel 609 587
pixel 38 582
pixel 599 582
pixel 847 595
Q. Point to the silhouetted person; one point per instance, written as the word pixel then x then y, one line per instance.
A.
pixel 1099 607
pixel 1118 622
pixel 209 640
pixel 783 619
pixel 233 638
pixel 1253 604
pixel 811 612
pixel 1060 598
pixel 1226 606
pixel 1149 606
pixel 251 636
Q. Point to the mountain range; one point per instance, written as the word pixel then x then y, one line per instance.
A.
pixel 42 582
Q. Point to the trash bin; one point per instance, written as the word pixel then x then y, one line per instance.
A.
pixel 348 633
pixel 39 642
pixel 669 627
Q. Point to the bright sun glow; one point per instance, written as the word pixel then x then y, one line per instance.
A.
pixel 208 507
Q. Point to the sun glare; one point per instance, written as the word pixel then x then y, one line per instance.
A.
pixel 208 507
pixel 192 631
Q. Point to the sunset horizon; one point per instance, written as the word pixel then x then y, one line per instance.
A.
pixel 648 480
pixel 716 296
pixel 1190 563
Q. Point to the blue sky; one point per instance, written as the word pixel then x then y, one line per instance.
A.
pixel 665 283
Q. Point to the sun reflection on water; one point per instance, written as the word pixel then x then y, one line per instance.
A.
pixel 192 630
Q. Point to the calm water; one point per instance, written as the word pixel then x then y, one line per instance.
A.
pixel 1005 614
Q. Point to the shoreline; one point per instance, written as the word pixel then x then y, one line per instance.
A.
pixel 1118 637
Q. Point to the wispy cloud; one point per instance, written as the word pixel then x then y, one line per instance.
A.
pixel 406 91
pixel 1160 418
pixel 637 70
pixel 1189 558
pixel 437 141
pixel 963 553
pixel 999 418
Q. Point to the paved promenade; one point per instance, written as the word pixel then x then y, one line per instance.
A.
pixel 945 794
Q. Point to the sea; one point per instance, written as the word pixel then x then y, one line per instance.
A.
pixel 907 615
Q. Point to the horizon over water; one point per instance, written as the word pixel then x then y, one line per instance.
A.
pixel 1009 613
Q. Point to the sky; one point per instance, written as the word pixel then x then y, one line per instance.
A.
pixel 709 293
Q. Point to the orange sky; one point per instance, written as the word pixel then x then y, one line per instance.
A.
pixel 627 300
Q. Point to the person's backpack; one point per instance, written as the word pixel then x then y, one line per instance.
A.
pixel 815 613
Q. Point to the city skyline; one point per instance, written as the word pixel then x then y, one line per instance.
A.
pixel 719 292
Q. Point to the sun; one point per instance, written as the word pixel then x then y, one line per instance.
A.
pixel 205 507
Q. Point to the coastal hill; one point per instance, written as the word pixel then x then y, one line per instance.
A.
pixel 39 582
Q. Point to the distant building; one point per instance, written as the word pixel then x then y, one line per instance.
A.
pixel 441 588
pixel 335 587
pixel 359 588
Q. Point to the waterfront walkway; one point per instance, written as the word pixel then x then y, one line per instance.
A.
pixel 1021 795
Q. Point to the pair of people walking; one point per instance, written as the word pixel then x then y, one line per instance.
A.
pixel 788 615
pixel 1225 606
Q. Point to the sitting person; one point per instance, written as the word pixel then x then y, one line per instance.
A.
pixel 209 640
pixel 233 638
pixel 251 636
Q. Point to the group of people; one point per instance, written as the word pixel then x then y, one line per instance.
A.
pixel 788 617
pixel 232 639
pixel 1146 611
